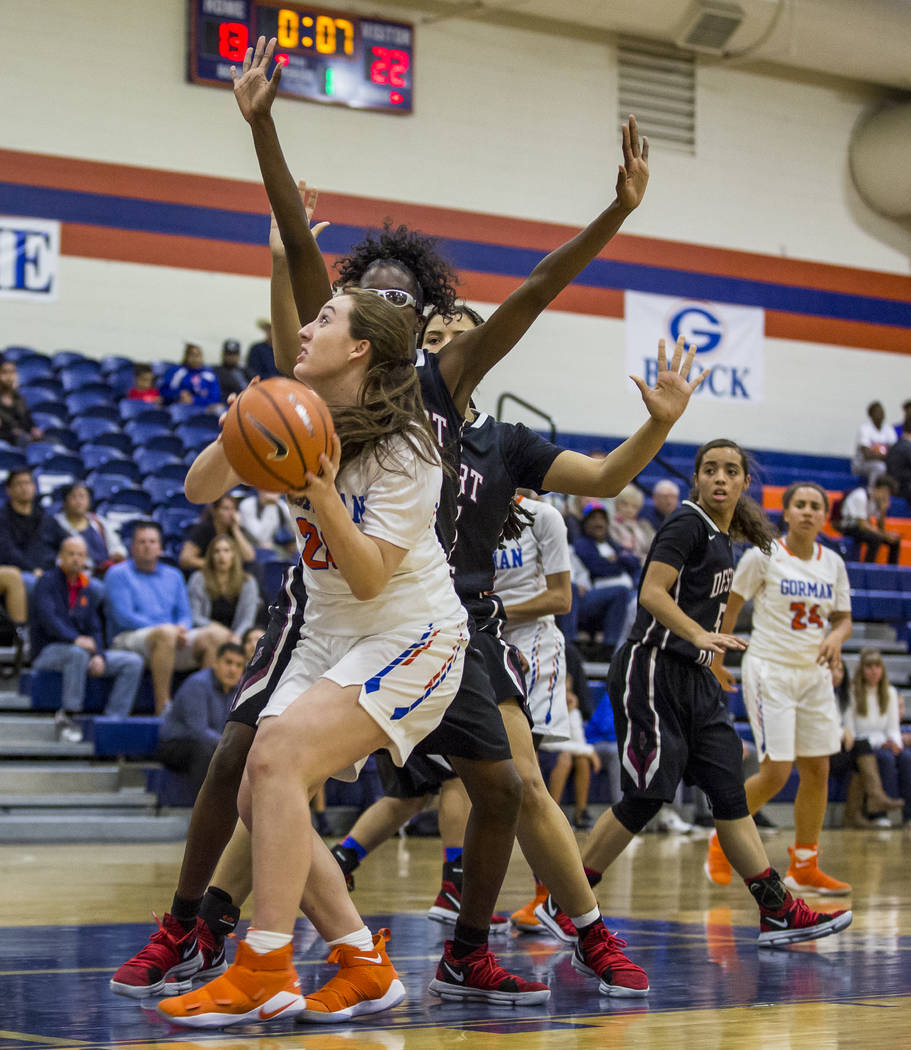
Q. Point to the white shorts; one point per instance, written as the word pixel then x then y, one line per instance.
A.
pixel 138 642
pixel 544 648
pixel 408 678
pixel 793 711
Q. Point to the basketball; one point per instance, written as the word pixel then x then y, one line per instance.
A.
pixel 275 432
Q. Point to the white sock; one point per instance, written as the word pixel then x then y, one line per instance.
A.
pixel 265 941
pixel 581 921
pixel 361 939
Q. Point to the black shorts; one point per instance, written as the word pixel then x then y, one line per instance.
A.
pixel 672 724
pixel 421 775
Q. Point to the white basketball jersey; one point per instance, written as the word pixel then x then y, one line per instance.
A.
pixel 539 551
pixel 792 600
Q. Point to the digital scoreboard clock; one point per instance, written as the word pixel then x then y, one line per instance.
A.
pixel 328 56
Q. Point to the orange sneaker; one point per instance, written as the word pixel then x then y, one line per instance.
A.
pixel 524 919
pixel 804 876
pixel 717 866
pixel 255 988
pixel 366 983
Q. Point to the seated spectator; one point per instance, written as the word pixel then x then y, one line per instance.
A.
pixel 221 591
pixel 610 603
pixel 15 610
pixel 16 424
pixel 862 517
pixel 871 445
pixel 218 519
pixel 232 379
pixel 143 388
pixel 194 719
pixel 190 382
pixel 249 640
pixel 904 428
pixel 576 756
pixel 101 539
pixel 898 465
pixel 67 637
pixel 628 532
pixel 665 500
pixel 148 612
pixel 27 534
pixel 265 518
pixel 261 356
pixel 873 738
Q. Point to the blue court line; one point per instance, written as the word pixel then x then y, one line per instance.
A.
pixel 128 213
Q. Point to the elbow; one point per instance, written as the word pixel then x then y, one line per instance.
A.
pixel 565 606
pixel 366 590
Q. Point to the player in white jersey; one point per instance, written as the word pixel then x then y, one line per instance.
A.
pixel 799 592
pixel 380 661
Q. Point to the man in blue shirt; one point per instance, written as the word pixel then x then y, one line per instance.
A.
pixel 148 612
pixel 194 719
pixel 66 637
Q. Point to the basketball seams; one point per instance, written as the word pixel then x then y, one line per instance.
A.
pixel 287 426
pixel 251 448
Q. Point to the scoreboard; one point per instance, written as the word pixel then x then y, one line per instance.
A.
pixel 328 56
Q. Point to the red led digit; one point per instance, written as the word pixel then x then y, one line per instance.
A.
pixel 233 38
pixel 282 59
pixel 379 70
pixel 398 61
pixel 396 98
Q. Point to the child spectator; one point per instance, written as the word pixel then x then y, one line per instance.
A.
pixel 16 424
pixel 76 518
pixel 575 756
pixel 221 591
pixel 218 519
pixel 143 388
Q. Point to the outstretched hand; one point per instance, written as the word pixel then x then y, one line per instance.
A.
pixel 670 395
pixel 632 177
pixel 255 89
pixel 309 198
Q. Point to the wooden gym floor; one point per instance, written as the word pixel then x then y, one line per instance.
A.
pixel 69 915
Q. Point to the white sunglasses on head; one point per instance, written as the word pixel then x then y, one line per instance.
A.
pixel 394 296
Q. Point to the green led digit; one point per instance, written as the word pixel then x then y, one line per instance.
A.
pixel 330 76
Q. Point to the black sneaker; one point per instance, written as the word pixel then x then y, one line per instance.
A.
pixel 347 861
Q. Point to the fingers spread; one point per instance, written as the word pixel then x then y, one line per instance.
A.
pixel 662 356
pixel 678 354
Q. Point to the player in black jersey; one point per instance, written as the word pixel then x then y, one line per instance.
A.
pixel 669 710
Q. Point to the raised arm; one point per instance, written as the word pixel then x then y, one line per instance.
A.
pixel 255 92
pixel 470 356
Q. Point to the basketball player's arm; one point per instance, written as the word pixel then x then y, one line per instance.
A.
pixel 556 599
pixel 210 475
pixel 580 475
pixel 470 356
pixel 830 646
pixel 655 597
pixel 729 621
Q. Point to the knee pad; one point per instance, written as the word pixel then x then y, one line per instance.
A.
pixel 635 813
pixel 729 803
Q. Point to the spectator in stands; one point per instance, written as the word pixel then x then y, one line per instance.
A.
pixel 218 519
pixel 148 612
pixel 576 756
pixel 665 499
pixel 190 382
pixel 628 531
pixel 606 607
pixel 12 594
pixel 16 424
pixel 904 428
pixel 260 356
pixel 144 388
pixel 862 517
pixel 232 379
pixel 195 718
pixel 76 518
pixel 873 440
pixel 249 640
pixel 265 518
pixel 67 637
pixel 873 737
pixel 27 534
pixel 898 465
pixel 221 591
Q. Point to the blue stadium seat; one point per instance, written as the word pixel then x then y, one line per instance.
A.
pixel 165 443
pixel 122 516
pixel 51 407
pixel 96 394
pixel 12 460
pixel 737 706
pixel 150 460
pixel 95 456
pixel 19 353
pixel 59 469
pixel 89 429
pixel 114 363
pixel 175 471
pixel 161 489
pixel 37 452
pixel 65 358
pixel 141 431
pixel 116 439
pixel 886 605
pixel 904 579
pixel 857 574
pixel 58 434
pixel 136 736
pixel 195 436
pixel 107 486
pixel 108 412
pixel 881 577
pixel 49 420
pixel 174 521
pixel 860 605
pixel 136 498
pixel 39 390
pixel 31 368
pixel 121 467
pixel 135 409
pixel 80 374
pixel 273 572
pixel 191 414
pixel 180 502
pixel 120 381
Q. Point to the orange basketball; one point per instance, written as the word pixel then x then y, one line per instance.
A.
pixel 275 432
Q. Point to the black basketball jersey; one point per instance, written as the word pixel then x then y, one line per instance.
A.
pixel 497 458
pixel 703 556
pixel 446 422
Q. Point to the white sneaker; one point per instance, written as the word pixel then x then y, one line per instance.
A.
pixel 669 820
pixel 881 822
pixel 66 728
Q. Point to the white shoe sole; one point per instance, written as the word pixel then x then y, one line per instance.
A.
pixel 796 887
pixel 449 918
pixel 552 927
pixel 393 997
pixel 615 990
pixel 458 993
pixel 182 975
pixel 782 938
pixel 282 1005
pixel 199 977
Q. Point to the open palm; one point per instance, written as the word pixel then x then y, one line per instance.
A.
pixel 670 395
pixel 632 177
pixel 255 90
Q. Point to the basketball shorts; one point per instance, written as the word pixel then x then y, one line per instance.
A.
pixel 672 724
pixel 185 658
pixel 408 678
pixel 793 711
pixel 543 646
pixel 421 775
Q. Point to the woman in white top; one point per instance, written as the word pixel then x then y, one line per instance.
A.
pixel 874 437
pixel 799 591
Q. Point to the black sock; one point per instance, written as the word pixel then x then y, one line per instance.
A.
pixel 452 872
pixel 768 889
pixel 219 912
pixel 584 931
pixel 185 910
pixel 594 877
pixel 346 857
pixel 467 939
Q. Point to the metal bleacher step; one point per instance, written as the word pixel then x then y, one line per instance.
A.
pixel 33 735
pixel 92 826
pixel 127 799
pixel 69 778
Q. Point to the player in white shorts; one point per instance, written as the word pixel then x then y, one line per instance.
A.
pixel 380 662
pixel 786 676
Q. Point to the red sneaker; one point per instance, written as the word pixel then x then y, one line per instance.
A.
pixel 446 907
pixel 599 955
pixel 171 957
pixel 796 922
pixel 479 976
pixel 556 921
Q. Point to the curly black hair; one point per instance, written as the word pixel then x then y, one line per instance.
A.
pixel 412 251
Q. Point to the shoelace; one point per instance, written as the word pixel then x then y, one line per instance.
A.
pixel 487 970
pixel 610 944
pixel 160 942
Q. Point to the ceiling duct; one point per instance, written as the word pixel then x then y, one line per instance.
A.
pixel 709 26
pixel 879 161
